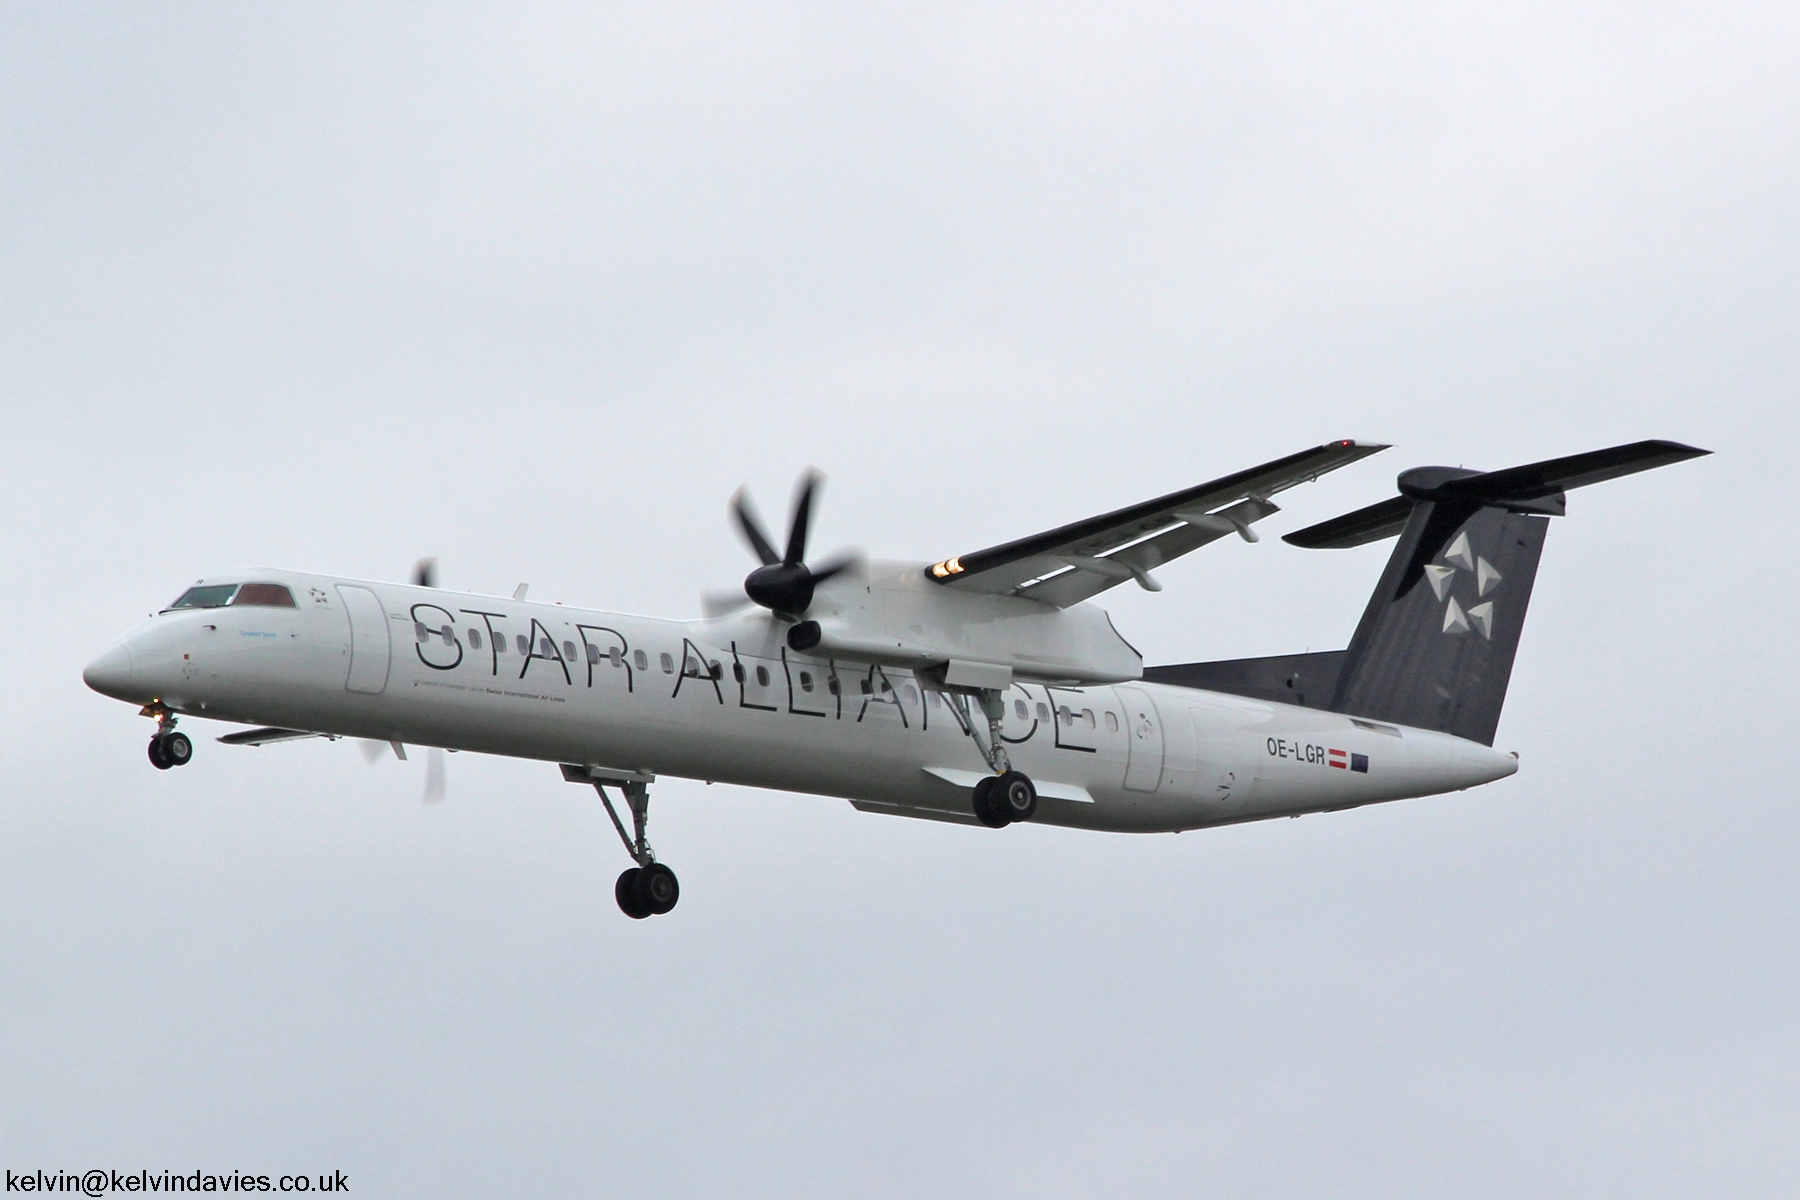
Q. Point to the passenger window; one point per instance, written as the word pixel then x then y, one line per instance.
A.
pixel 762 676
pixel 937 701
pixel 269 595
pixel 715 670
pixel 1112 723
pixel 834 686
pixel 690 666
pixel 1064 715
pixel 668 663
pixel 448 634
pixel 806 684
pixel 569 651
pixel 1024 713
pixel 643 662
pixel 1043 712
pixel 867 690
pixel 420 633
pixel 1087 715
pixel 475 638
pixel 912 695
pixel 499 643
pixel 593 654
pixel 523 645
pixel 737 671
pixel 617 655
pixel 546 647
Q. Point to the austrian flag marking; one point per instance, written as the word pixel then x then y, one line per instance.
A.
pixel 1339 758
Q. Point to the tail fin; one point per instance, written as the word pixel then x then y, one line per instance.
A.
pixel 1434 648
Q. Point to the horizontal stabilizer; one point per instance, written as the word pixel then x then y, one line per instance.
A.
pixel 262 737
pixel 1537 480
pixel 1533 488
pixel 1370 524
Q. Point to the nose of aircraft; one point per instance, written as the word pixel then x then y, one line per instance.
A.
pixel 110 674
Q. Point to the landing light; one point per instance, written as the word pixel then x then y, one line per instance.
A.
pixel 947 568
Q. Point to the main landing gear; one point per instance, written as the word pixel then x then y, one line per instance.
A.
pixel 167 748
pixel 649 889
pixel 1007 795
pixel 1004 798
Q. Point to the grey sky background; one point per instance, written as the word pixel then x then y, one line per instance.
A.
pixel 534 287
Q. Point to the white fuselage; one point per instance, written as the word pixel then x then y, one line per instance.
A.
pixel 598 689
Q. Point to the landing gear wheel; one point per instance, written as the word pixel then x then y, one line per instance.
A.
pixel 177 749
pixel 1014 796
pixel 658 888
pixel 626 893
pixel 159 757
pixel 986 810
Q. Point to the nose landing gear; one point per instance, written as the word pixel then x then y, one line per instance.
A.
pixel 167 748
pixel 649 889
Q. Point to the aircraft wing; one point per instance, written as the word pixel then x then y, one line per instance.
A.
pixel 1066 566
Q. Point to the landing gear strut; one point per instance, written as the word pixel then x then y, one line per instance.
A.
pixel 1007 795
pixel 167 748
pixel 649 889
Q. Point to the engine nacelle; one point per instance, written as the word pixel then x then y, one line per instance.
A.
pixel 892 615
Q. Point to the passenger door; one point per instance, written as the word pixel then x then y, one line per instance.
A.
pixel 368 640
pixel 1143 740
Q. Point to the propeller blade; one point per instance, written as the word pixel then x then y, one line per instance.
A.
pixel 723 604
pixel 434 776
pixel 848 560
pixel 803 502
pixel 371 751
pixel 752 528
pixel 425 572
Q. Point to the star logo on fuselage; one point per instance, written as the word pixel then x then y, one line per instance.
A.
pixel 1457 559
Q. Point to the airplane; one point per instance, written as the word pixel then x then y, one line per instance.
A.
pixel 985 688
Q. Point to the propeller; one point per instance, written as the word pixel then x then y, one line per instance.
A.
pixel 436 775
pixel 784 583
pixel 424 575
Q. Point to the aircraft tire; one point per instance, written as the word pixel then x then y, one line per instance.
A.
pixel 1014 796
pixel 159 758
pixel 986 811
pixel 658 889
pixel 626 893
pixel 177 749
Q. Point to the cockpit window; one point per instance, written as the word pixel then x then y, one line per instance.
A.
pixel 269 595
pixel 216 595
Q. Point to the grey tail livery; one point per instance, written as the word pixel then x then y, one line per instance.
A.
pixel 1434 648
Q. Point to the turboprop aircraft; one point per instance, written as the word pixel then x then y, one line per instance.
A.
pixel 984 688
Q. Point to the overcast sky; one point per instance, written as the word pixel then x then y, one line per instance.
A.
pixel 534 287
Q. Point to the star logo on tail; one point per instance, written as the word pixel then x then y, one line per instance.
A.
pixel 1459 558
